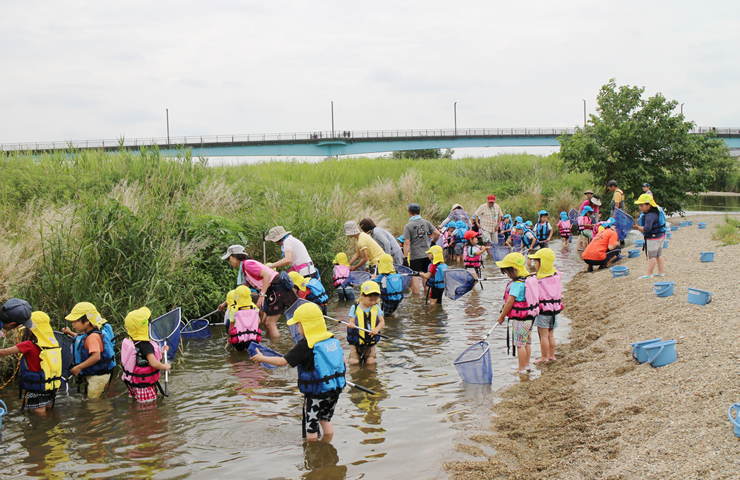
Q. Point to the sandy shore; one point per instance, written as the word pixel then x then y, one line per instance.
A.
pixel 597 413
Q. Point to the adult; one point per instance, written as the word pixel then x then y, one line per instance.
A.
pixel 367 251
pixel 416 235
pixel 487 217
pixel 617 196
pixel 652 224
pixel 15 313
pixel 646 189
pixel 273 299
pixel 294 253
pixel 593 202
pixel 603 249
pixel 457 214
pixel 384 239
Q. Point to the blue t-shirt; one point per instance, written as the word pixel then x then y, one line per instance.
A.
pixel 517 290
pixel 352 311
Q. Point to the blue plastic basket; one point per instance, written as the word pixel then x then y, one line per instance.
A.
pixel 702 225
pixel 501 239
pixel 4 410
pixel 674 228
pixel 663 289
pixel 638 349
pixel 668 235
pixel 699 297
pixel 619 271
pixel 198 329
pixel 474 364
pixel 639 243
pixel 689 223
pixel 706 257
pixel 665 244
pixel 634 252
pixel 661 353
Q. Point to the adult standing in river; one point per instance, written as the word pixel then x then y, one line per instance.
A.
pixel 294 251
pixel 416 235
pixel 457 214
pixel 487 217
pixel 384 239
pixel 368 251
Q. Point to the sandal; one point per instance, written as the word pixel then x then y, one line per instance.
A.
pixel 541 360
pixel 658 274
pixel 644 277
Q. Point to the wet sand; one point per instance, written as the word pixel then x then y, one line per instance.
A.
pixel 596 412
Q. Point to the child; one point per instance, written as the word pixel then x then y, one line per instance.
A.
pixel 551 303
pixel 391 284
pixel 564 228
pixel 449 245
pixel 94 356
pixel 229 312
pixel 506 227
pixel 544 230
pixel 41 365
pixel 460 229
pixel 472 254
pixel 584 227
pixel 246 319
pixel 341 273
pixel 367 315
pixel 435 276
pixel 529 240
pixel 141 358
pixel 310 289
pixel 521 304
pixel 321 369
pixel 516 238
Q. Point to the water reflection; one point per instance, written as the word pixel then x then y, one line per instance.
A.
pixel 320 461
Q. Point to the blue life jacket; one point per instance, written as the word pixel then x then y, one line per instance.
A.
pixel 316 292
pixel 658 228
pixel 527 240
pixel 366 321
pixel 107 360
pixel 328 374
pixel 507 226
pixel 543 231
pixel 438 280
pixel 391 286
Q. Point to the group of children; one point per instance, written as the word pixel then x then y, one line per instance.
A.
pixel 93 354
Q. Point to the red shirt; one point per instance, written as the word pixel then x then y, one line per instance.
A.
pixel 596 250
pixel 31 352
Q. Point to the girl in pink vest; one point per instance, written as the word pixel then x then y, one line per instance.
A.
pixel 551 301
pixel 564 226
pixel 521 304
pixel 140 358
pixel 472 254
pixel 245 327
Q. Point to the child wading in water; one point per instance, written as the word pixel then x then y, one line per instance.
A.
pixel 435 276
pixel 551 303
pixel 365 314
pixel 521 304
pixel 140 358
pixel 320 362
pixel 564 228
pixel 472 254
pixel 391 284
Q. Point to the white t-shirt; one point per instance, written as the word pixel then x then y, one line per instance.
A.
pixel 300 254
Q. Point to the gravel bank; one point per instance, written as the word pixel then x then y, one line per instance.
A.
pixel 597 413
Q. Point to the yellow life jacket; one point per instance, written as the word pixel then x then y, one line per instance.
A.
pixel 49 378
pixel 359 337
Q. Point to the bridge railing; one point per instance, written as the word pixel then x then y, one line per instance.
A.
pixel 194 141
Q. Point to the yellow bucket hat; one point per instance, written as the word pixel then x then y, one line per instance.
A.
pixel 88 310
pixel 309 315
pixel 137 324
pixel 298 280
pixel 515 260
pixel 385 264
pixel 646 198
pixel 547 262
pixel 41 328
pixel 438 255
pixel 341 259
pixel 230 298
pixel 370 287
pixel 243 297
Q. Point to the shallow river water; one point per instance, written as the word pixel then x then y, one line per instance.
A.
pixel 227 417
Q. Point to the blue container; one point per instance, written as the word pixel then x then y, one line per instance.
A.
pixel 699 297
pixel 474 364
pixel 663 289
pixel 197 329
pixel 3 411
pixel 619 271
pixel 634 252
pixel 501 239
pixel 683 224
pixel 706 257
pixel 702 225
pixel 661 353
pixel 735 421
pixel 638 349
pixel 669 235
pixel 639 243
pixel 689 223
pixel 665 244
pixel 674 228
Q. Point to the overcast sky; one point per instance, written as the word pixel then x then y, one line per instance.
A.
pixel 77 70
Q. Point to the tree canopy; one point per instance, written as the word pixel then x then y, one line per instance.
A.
pixel 633 140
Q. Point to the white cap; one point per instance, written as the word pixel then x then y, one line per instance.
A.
pixel 233 250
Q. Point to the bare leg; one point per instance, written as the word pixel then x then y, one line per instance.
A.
pixel 326 427
pixel 661 264
pixel 551 342
pixel 544 343
pixel 271 325
pixel 651 265
pixel 415 285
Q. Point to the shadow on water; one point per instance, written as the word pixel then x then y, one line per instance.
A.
pixel 229 418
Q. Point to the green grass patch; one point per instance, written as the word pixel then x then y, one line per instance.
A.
pixel 727 233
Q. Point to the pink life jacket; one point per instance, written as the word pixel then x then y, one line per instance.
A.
pixel 551 294
pixel 137 372
pixel 245 327
pixel 529 308
pixel 472 260
pixel 341 272
pixel 564 227
pixel 583 224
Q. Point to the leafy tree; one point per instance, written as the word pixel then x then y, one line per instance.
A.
pixel 634 140
pixel 422 154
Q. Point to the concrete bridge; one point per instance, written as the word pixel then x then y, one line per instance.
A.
pixel 333 143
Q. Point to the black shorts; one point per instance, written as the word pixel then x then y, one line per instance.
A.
pixel 319 408
pixel 609 255
pixel 420 264
pixel 437 294
pixel 390 306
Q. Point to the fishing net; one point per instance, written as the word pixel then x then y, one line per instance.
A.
pixel 197 329
pixel 500 252
pixel 166 329
pixel 573 216
pixel 297 337
pixel 458 282
pixel 623 223
pixel 474 364
pixel 268 352
pixel 356 278
pixel 67 344
pixel 404 270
